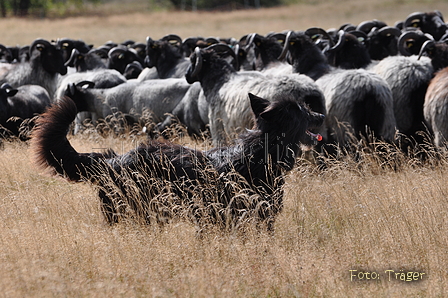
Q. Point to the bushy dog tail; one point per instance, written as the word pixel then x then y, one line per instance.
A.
pixel 51 148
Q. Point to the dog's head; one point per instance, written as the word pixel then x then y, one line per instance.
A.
pixel 287 118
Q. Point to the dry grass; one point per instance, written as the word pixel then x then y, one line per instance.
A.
pixel 137 26
pixel 352 216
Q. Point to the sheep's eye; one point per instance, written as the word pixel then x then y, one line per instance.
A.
pixel 121 56
pixel 39 47
pixel 291 43
pixel 79 57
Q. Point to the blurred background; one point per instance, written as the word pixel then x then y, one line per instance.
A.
pixel 65 8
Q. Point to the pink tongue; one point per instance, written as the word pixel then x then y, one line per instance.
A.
pixel 317 136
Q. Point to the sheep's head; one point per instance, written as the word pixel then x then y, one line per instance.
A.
pixel 5 54
pixel 76 93
pixel 67 45
pixel 428 22
pixel 410 42
pixel 261 50
pixel 6 91
pixel 168 47
pixel 195 67
pixel 216 51
pixel 383 42
pixel 296 44
pixel 350 51
pixel 120 56
pixel 152 52
pixel 437 51
pixel 48 55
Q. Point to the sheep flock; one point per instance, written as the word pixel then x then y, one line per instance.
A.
pixel 372 81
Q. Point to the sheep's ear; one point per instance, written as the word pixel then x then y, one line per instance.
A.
pixel 11 92
pixel 71 89
pixel 258 104
pixel 85 84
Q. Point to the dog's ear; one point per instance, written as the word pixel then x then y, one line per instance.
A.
pixel 258 104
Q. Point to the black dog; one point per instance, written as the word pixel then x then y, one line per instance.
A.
pixel 157 179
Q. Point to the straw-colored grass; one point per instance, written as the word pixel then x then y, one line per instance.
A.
pixel 138 25
pixel 352 215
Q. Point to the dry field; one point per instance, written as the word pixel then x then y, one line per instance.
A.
pixel 351 216
pixel 358 216
pixel 137 26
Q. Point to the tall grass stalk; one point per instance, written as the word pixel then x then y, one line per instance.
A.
pixel 350 215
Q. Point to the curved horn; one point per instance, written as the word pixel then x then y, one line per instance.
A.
pixel 316 30
pixel 366 26
pixel 37 42
pixel 221 48
pixel 117 49
pixel 388 30
pixel 405 37
pixel 426 45
pixel 285 47
pixel 340 43
pixel 280 37
pixel 72 59
pixel 410 20
pixel 211 41
pixel 250 39
pixel 198 64
pixel 172 37
pixel 360 35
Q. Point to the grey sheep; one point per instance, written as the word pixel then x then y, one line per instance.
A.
pixel 91 68
pixel 19 104
pixel 165 55
pixel 192 111
pixel 132 98
pixel 357 97
pixel 45 64
pixel 226 90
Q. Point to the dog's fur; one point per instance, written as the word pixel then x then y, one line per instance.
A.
pixel 222 184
